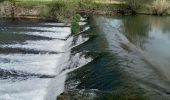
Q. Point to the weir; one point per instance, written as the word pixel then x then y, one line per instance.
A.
pixel 35 59
pixel 111 58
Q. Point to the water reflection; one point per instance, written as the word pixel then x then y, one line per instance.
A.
pixel 152 35
pixel 104 77
pixel 161 23
pixel 136 29
pixel 132 59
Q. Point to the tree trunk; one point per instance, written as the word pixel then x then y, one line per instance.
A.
pixel 13 6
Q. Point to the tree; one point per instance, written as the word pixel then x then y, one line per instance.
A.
pixel 160 7
pixel 2 0
pixel 135 5
pixel 13 6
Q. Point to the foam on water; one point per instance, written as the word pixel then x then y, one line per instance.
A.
pixel 31 89
pixel 68 63
pixel 82 23
pixel 51 32
pixel 30 63
pixel 49 29
pixel 55 24
pixel 58 65
pixel 57 85
pixel 59 35
pixel 45 45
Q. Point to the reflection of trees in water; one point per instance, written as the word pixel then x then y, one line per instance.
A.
pixel 136 29
pixel 161 23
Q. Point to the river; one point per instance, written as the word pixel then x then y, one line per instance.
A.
pixel 117 58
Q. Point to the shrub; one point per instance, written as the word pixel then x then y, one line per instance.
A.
pixel 159 7
pixel 77 18
pixel 75 27
pixel 86 4
pixel 135 5
pixel 62 10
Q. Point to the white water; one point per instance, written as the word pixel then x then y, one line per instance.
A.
pixel 48 29
pixel 32 88
pixel 44 45
pixel 15 86
pixel 67 63
pixel 30 63
pixel 59 35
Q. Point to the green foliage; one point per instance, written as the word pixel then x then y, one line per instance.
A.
pixel 86 4
pixel 2 0
pixel 77 18
pixel 92 5
pixel 135 5
pixel 61 10
pixel 75 27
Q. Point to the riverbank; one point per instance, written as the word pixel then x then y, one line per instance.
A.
pixel 64 10
pixel 54 10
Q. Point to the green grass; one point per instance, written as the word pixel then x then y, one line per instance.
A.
pixel 33 2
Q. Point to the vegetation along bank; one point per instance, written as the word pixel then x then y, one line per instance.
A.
pixel 63 10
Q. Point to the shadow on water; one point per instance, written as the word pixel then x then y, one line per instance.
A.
pixel 14 38
pixel 19 75
pixel 25 51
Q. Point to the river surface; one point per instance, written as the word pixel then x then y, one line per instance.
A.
pixel 117 58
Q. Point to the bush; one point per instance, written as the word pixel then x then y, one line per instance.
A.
pixel 62 10
pixel 75 27
pixel 135 5
pixel 77 18
pixel 159 7
pixel 86 4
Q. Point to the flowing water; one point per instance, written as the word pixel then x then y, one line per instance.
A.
pixel 31 57
pixel 130 60
pixel 117 58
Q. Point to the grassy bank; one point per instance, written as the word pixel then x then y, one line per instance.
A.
pixel 64 10
pixel 139 6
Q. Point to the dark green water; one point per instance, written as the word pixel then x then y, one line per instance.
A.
pixel 131 60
